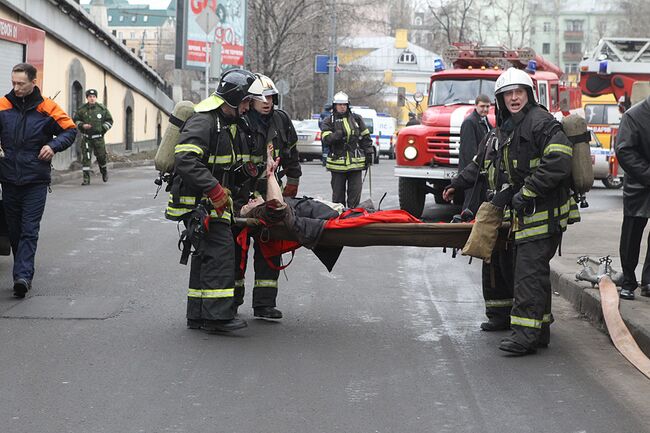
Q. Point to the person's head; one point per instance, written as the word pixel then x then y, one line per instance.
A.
pixel 341 102
pixel 23 79
pixel 513 91
pixel 91 96
pixel 482 104
pixel 411 115
pixel 266 87
pixel 234 88
pixel 252 203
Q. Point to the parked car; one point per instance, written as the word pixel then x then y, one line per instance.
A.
pixel 601 159
pixel 309 143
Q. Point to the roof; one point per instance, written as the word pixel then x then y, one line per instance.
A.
pixel 385 55
pixel 580 7
pixel 138 17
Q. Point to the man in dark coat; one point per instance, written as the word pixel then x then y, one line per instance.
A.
pixel 472 130
pixel 633 153
pixel 413 120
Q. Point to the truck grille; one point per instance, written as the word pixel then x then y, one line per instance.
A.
pixel 444 148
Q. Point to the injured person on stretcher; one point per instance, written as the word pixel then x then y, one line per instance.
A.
pixel 326 227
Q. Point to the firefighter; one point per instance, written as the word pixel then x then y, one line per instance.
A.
pixel 209 166
pixel 268 125
pixel 350 151
pixel 93 120
pixel 537 157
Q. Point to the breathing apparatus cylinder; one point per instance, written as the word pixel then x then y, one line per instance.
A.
pixel 582 171
pixel 164 159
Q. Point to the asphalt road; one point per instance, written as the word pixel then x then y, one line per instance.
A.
pixel 387 342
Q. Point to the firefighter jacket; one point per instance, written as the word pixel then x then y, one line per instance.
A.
pixel 26 125
pixel 276 128
pixel 95 115
pixel 348 140
pixel 633 153
pixel 211 150
pixel 533 155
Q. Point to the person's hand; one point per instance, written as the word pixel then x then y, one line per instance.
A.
pixel 46 153
pixel 520 202
pixel 448 193
pixel 87 126
pixel 219 197
pixel 290 190
pixel 337 135
pixel 369 158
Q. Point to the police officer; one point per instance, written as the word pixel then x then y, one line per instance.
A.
pixel 208 158
pixel 93 120
pixel 350 150
pixel 537 158
pixel 268 125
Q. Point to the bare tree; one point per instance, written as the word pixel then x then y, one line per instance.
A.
pixel 454 17
pixel 636 14
pixel 513 18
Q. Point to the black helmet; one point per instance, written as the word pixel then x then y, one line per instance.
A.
pixel 234 87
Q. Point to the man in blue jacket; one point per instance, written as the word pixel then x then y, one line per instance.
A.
pixel 32 129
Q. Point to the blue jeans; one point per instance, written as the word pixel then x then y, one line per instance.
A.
pixel 24 206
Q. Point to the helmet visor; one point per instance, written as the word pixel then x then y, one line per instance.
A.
pixel 254 97
pixel 510 87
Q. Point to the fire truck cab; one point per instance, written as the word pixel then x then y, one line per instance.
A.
pixel 427 154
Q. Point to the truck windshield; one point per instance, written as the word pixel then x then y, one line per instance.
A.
pixel 448 92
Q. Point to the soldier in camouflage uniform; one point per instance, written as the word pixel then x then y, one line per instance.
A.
pixel 93 120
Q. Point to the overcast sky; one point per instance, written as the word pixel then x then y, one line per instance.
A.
pixel 153 4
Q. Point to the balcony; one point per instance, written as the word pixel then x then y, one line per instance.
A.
pixel 574 35
pixel 568 56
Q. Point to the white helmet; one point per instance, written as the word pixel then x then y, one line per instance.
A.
pixel 511 79
pixel 341 98
pixel 264 85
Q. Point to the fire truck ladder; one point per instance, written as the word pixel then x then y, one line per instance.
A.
pixel 464 56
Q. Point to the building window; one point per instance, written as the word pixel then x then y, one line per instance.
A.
pixel 574 25
pixel 132 35
pixel 133 18
pixel 110 18
pixel 418 21
pixel 573 47
pixel 546 48
pixel 407 57
pixel 121 18
pixel 145 18
pixel 571 68
pixel 547 26
pixel 120 35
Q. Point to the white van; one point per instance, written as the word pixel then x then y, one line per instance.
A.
pixel 382 130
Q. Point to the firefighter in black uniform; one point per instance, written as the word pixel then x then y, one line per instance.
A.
pixel 350 151
pixel 210 161
pixel 497 276
pixel 536 155
pixel 267 125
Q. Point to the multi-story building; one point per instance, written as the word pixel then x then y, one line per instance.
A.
pixel 564 31
pixel 149 33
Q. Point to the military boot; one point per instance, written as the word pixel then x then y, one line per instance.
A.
pixel 86 180
pixel 104 174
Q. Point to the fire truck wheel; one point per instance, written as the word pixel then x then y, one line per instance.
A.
pixel 612 182
pixel 412 194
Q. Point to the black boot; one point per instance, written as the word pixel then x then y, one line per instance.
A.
pixel 511 346
pixel 21 287
pixel 627 294
pixel 194 323
pixel 223 325
pixel 86 180
pixel 495 325
pixel 267 312
pixel 104 174
pixel 645 290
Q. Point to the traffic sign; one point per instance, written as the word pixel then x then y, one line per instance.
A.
pixel 321 63
pixel 207 20
pixel 282 86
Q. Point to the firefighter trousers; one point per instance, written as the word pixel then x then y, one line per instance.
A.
pixel 498 283
pixel 347 181
pixel 630 247
pixel 212 277
pixel 265 288
pixel 531 317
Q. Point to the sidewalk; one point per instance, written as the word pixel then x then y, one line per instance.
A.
pixel 595 236
pixel 59 176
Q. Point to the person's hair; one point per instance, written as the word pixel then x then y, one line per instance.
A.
pixel 30 70
pixel 482 98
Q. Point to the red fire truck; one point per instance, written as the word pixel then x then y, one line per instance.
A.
pixel 427 154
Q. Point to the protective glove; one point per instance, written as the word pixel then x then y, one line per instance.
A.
pixel 219 197
pixel 369 158
pixel 337 136
pixel 290 190
pixel 503 197
pixel 520 202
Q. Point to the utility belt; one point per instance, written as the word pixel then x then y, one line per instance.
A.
pixel 196 225
pixel 93 136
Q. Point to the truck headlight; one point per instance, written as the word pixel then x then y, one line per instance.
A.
pixel 410 152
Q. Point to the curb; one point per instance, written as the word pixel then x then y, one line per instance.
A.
pixel 586 301
pixel 60 176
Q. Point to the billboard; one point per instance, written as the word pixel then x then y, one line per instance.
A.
pixel 201 22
